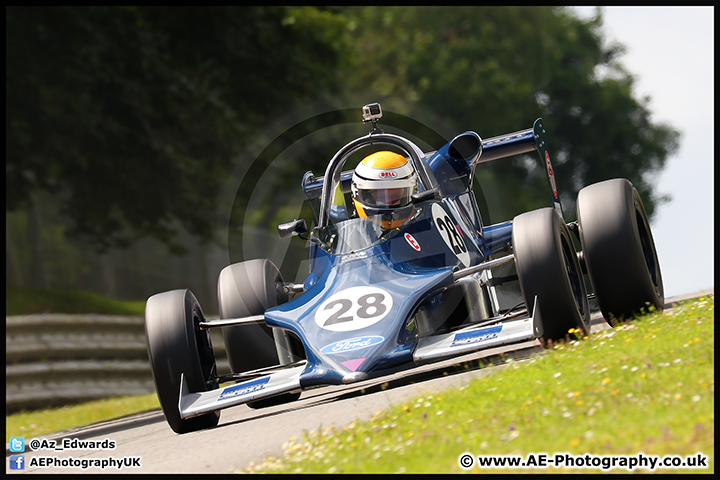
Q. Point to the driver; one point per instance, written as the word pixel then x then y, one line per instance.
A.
pixel 383 184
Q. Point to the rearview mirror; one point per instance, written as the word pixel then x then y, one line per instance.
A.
pixel 289 229
pixel 420 199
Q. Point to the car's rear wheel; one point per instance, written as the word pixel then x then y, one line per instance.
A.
pixel 618 249
pixel 177 346
pixel 548 267
pixel 246 289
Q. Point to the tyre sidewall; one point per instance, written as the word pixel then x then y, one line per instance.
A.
pixel 539 238
pixel 611 217
pixel 172 350
pixel 248 289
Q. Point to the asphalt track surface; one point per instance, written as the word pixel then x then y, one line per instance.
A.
pixel 245 435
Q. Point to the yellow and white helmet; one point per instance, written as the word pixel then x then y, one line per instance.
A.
pixel 383 184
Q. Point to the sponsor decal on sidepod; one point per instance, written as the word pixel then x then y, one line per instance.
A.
pixel 352 344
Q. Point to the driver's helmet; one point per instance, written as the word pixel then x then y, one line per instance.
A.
pixel 383 184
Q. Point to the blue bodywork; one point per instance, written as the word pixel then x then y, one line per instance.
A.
pixel 409 275
pixel 392 266
pixel 380 300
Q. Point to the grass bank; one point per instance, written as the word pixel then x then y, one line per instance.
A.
pixel 43 422
pixel 29 301
pixel 645 386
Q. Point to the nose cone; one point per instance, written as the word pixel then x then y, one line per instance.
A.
pixel 356 357
pixel 355 322
pixel 376 361
pixel 353 365
pixel 354 377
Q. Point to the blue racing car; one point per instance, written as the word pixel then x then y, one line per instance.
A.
pixel 400 275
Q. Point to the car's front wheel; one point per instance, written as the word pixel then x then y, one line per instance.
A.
pixel 246 289
pixel 177 346
pixel 548 268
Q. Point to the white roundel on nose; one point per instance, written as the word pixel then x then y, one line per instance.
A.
pixel 353 309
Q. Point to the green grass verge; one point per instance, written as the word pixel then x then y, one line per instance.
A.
pixel 643 387
pixel 28 301
pixel 39 423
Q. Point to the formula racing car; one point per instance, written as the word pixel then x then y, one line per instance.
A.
pixel 400 275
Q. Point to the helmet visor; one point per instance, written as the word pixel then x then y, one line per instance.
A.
pixel 386 197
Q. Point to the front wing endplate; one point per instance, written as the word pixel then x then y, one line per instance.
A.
pixel 274 383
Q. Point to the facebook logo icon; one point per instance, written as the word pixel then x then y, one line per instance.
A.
pixel 17 462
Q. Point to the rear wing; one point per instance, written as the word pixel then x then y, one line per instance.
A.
pixel 520 142
pixel 502 146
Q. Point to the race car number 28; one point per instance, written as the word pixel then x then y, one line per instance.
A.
pixel 353 309
pixel 450 233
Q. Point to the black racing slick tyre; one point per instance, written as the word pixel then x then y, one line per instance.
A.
pixel 177 346
pixel 246 289
pixel 618 249
pixel 548 268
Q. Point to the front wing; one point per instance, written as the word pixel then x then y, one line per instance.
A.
pixel 432 348
pixel 472 338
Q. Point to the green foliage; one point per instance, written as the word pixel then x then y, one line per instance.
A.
pixel 495 69
pixel 133 115
pixel 28 301
pixel 138 119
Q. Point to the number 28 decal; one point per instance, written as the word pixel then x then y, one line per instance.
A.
pixel 450 233
pixel 353 309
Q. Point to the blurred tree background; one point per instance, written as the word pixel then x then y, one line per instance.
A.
pixel 129 129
